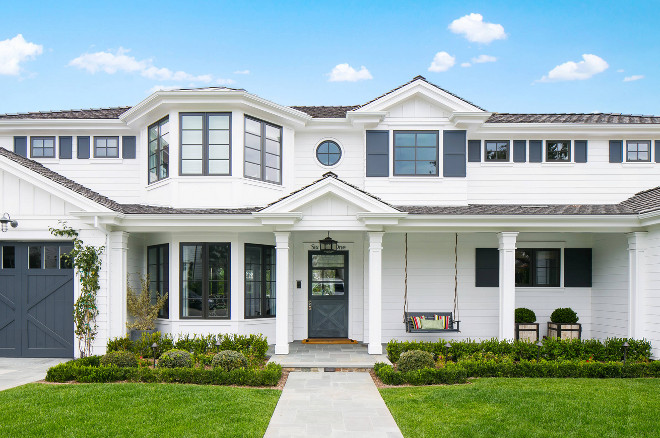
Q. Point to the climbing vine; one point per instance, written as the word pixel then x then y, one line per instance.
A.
pixel 86 260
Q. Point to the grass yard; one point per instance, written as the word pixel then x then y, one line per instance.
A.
pixel 135 410
pixel 529 408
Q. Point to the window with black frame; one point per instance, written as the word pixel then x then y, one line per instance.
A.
pixel 416 153
pixel 259 281
pixel 558 150
pixel 496 150
pixel 538 267
pixel 205 143
pixel 638 150
pixel 263 151
pixel 205 282
pixel 158 270
pixel 159 153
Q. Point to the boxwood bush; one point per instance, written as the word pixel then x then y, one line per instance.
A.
pixel 175 359
pixel 525 316
pixel 121 359
pixel 415 360
pixel 229 360
pixel 564 315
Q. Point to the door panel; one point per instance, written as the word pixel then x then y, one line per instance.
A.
pixel 328 295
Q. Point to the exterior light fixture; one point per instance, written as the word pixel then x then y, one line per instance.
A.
pixel 447 346
pixel 6 220
pixel 217 345
pixel 328 244
pixel 539 344
pixel 154 347
pixel 626 345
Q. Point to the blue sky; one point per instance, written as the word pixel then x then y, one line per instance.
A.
pixel 100 54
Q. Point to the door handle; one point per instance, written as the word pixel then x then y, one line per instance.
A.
pixel 309 305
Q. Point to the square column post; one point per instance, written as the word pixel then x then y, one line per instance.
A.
pixel 375 292
pixel 507 247
pixel 282 292
pixel 117 272
pixel 636 288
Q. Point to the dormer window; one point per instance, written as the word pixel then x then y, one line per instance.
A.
pixel 205 143
pixel 159 150
pixel 558 150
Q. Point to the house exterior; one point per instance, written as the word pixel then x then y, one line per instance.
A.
pixel 222 197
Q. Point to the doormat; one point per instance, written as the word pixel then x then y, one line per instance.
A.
pixel 329 341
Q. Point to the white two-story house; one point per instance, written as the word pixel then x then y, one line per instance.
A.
pixel 432 202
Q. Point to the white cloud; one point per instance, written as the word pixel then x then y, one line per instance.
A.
pixel 474 28
pixel 633 78
pixel 442 61
pixel 242 72
pixel 346 73
pixel 466 64
pixel 571 71
pixel 221 81
pixel 120 61
pixel 484 58
pixel 14 51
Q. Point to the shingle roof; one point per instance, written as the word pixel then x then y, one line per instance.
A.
pixel 152 209
pixel 95 113
pixel 521 209
pixel 645 201
pixel 593 118
pixel 327 112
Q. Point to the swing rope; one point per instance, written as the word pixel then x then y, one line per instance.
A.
pixel 405 281
pixel 456 278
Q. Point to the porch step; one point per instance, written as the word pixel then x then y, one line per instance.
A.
pixel 329 341
pixel 315 357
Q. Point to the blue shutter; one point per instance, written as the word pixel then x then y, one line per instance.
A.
pixel 616 151
pixel 83 147
pixel 519 151
pixel 535 151
pixel 128 146
pixel 474 151
pixel 657 151
pixel 378 153
pixel 577 267
pixel 487 267
pixel 453 153
pixel 20 146
pixel 580 151
pixel 66 147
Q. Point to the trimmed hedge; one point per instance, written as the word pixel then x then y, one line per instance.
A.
pixel 122 359
pixel 553 349
pixel 414 360
pixel 70 371
pixel 229 360
pixel 175 359
pixel 564 315
pixel 524 315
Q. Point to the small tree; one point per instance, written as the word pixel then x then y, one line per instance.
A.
pixel 86 260
pixel 139 306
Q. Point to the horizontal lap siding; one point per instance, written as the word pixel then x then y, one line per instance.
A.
pixel 651 308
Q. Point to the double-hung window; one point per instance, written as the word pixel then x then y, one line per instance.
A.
pixel 205 282
pixel 42 147
pixel 416 153
pixel 158 268
pixel 538 267
pixel 263 151
pixel 259 281
pixel 496 150
pixel 558 150
pixel 205 143
pixel 638 150
pixel 106 147
pixel 159 150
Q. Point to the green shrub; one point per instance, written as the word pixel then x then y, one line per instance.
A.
pixel 525 316
pixel 175 359
pixel 415 360
pixel 143 346
pixel 122 359
pixel 120 344
pixel 92 361
pixel 229 360
pixel 564 315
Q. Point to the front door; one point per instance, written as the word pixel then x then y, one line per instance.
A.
pixel 328 295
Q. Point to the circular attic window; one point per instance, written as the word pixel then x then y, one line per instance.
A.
pixel 328 153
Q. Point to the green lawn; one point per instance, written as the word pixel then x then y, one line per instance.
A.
pixel 135 410
pixel 529 408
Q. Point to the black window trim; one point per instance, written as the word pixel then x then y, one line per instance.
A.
pixel 205 142
pixel 158 151
pixel 205 276
pixel 328 140
pixel 437 152
pixel 648 142
pixel 263 149
pixel 263 283
pixel 166 276
pixel 107 137
pixel 43 137
pixel 508 151
pixel 570 155
pixel 534 283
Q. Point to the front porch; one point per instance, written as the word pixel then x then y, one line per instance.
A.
pixel 332 357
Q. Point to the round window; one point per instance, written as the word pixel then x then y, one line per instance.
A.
pixel 328 153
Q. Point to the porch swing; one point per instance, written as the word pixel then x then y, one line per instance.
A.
pixel 436 322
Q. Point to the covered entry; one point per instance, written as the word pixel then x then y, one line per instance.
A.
pixel 36 300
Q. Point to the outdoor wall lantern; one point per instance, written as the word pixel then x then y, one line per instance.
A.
pixel 328 244
pixel 154 347
pixel 6 220
pixel 626 345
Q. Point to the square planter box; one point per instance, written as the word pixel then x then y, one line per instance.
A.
pixel 527 332
pixel 564 331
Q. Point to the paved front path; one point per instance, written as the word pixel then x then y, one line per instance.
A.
pixel 19 371
pixel 331 405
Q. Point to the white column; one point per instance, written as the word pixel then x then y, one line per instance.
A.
pixel 507 249
pixel 117 271
pixel 375 292
pixel 636 290
pixel 282 292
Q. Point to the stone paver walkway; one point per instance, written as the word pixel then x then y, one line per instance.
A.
pixel 323 355
pixel 341 404
pixel 19 371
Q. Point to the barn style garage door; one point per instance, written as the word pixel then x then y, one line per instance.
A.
pixel 36 300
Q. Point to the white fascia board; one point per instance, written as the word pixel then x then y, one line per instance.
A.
pixel 161 222
pixel 361 118
pixel 468 119
pixel 422 87
pixel 609 130
pixel 381 218
pixel 278 218
pixel 62 124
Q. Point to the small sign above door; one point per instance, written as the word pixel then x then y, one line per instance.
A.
pixel 341 246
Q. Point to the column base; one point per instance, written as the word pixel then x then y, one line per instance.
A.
pixel 375 348
pixel 282 349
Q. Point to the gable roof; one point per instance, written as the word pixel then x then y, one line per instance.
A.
pixel 593 118
pixel 326 112
pixel 94 113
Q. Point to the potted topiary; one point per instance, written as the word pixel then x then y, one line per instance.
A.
pixel 563 324
pixel 141 309
pixel 527 329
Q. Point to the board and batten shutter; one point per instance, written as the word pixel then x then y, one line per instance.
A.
pixel 378 153
pixel 580 151
pixel 616 151
pixel 83 147
pixel 519 151
pixel 128 146
pixel 66 148
pixel 20 146
pixel 487 267
pixel 453 153
pixel 474 151
pixel 535 151
pixel 577 267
